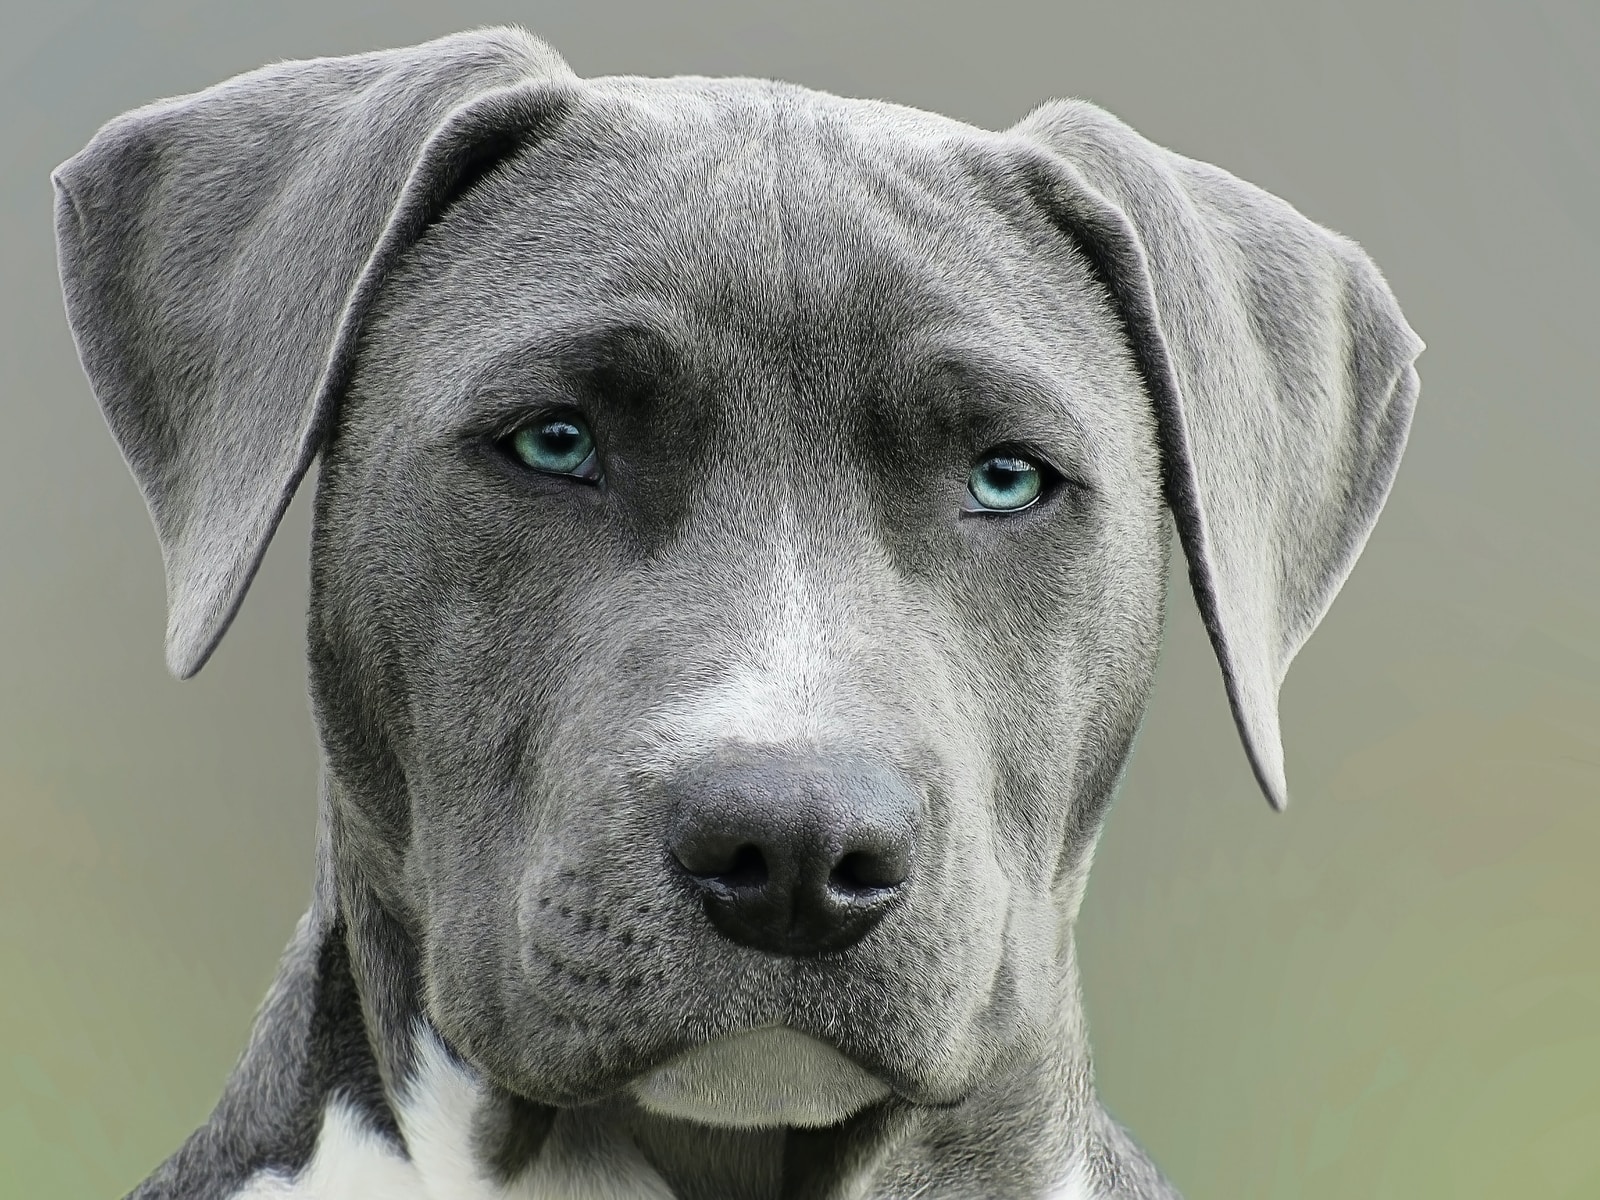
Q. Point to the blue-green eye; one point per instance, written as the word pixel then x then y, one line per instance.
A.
pixel 1004 483
pixel 558 446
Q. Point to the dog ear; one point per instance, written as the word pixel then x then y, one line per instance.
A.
pixel 218 252
pixel 1280 369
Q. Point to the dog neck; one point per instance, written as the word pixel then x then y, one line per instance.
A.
pixel 343 1053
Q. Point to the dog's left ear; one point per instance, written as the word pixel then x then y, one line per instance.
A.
pixel 1281 372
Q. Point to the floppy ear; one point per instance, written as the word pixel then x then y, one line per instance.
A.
pixel 1281 373
pixel 218 252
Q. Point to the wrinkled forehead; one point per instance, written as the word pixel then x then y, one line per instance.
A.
pixel 761 230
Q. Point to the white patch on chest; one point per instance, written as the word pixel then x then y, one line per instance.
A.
pixel 352 1161
pixel 1075 1186
pixel 579 1161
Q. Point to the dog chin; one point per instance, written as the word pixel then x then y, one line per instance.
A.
pixel 760 1079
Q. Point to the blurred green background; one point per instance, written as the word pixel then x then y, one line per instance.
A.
pixel 1393 990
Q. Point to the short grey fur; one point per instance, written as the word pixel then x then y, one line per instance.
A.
pixel 793 321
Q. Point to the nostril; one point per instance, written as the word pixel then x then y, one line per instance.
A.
pixel 747 870
pixel 859 872
pixel 740 865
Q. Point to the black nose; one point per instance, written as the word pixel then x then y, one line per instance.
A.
pixel 793 853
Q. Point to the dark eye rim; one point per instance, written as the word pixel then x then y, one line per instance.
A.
pixel 1050 484
pixel 588 471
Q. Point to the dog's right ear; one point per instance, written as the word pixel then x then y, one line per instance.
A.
pixel 219 250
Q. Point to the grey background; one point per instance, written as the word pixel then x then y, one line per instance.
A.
pixel 1392 990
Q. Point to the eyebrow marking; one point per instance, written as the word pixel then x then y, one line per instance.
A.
pixel 622 357
pixel 584 348
pixel 993 400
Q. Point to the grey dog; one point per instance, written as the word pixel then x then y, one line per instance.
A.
pixel 740 545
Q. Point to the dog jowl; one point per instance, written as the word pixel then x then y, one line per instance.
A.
pixel 737 575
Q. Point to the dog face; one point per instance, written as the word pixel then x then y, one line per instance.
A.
pixel 742 525
pixel 790 364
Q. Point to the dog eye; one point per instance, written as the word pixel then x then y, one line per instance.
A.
pixel 557 446
pixel 1004 483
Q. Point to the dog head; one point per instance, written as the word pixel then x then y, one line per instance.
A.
pixel 742 524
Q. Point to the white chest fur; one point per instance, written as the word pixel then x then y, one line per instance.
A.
pixel 353 1162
